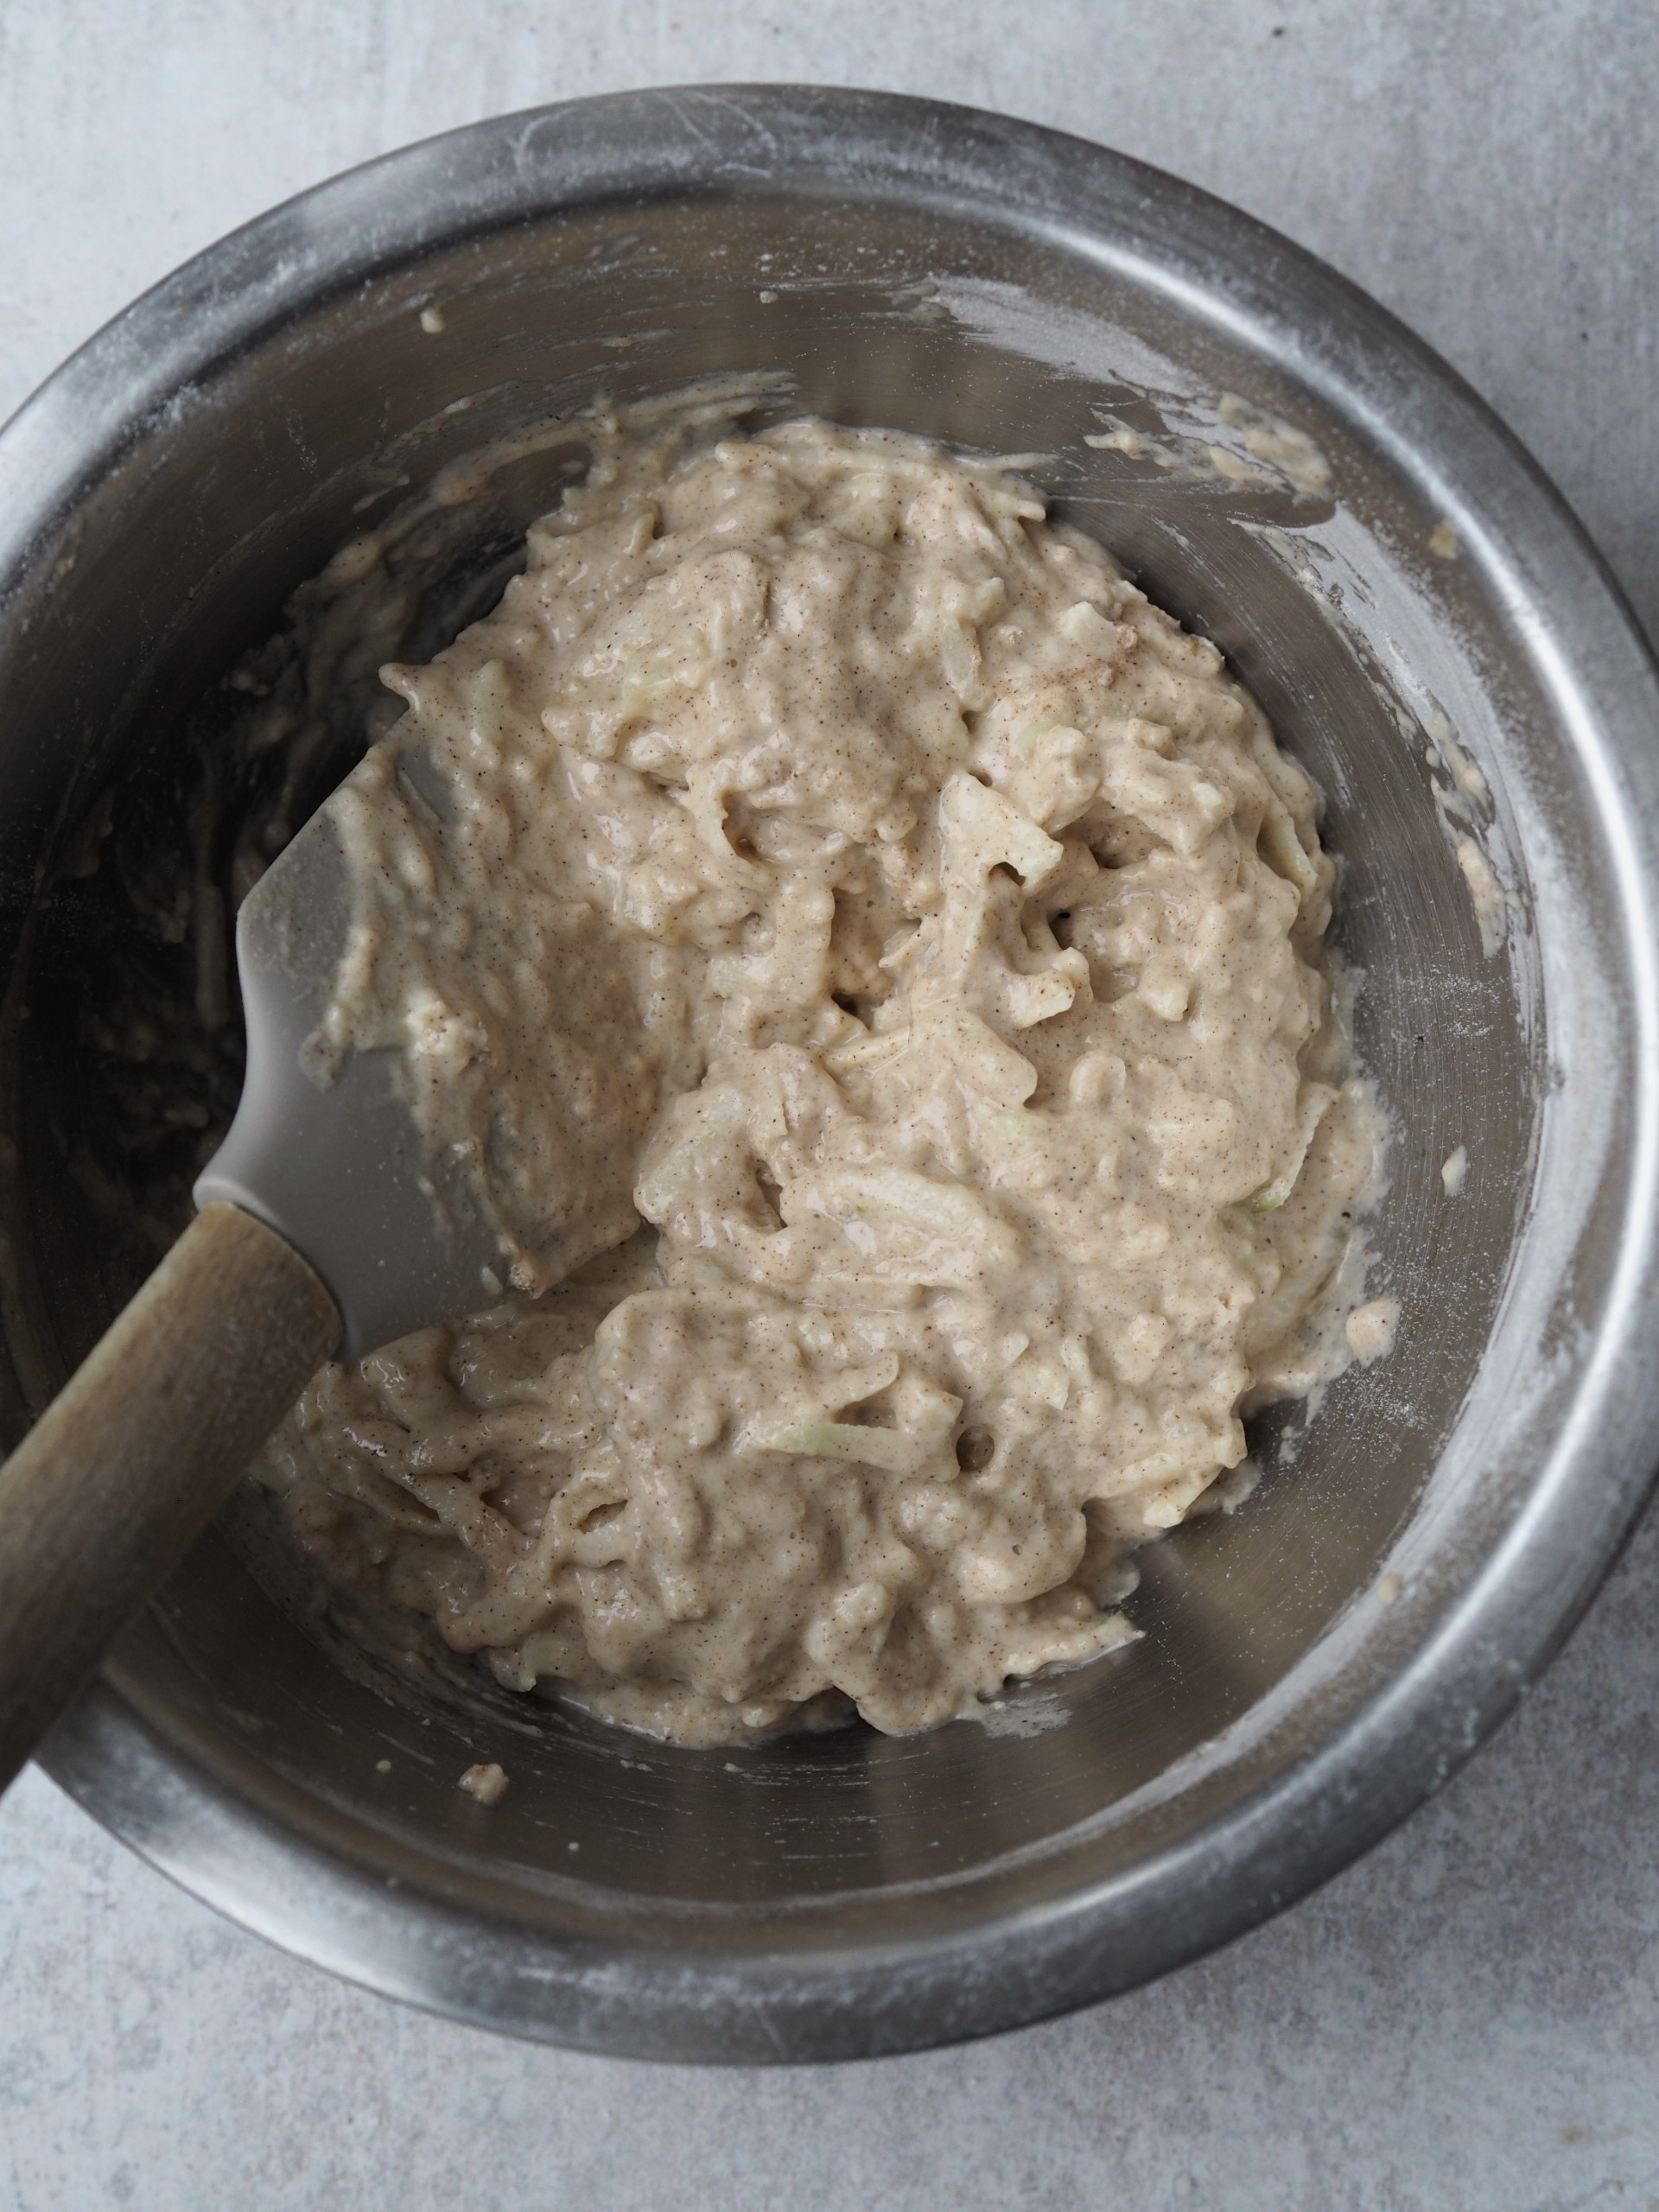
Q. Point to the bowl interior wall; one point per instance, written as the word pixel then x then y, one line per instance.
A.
pixel 879 317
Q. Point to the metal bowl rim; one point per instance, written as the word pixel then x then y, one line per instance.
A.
pixel 1510 1622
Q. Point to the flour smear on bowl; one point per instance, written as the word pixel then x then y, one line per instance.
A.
pixel 868 960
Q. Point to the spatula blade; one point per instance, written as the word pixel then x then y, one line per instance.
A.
pixel 339 1168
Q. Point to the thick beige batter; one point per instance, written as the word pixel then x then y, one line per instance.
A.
pixel 823 859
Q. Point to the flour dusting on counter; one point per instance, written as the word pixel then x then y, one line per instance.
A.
pixel 868 959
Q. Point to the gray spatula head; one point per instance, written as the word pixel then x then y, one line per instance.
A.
pixel 340 1169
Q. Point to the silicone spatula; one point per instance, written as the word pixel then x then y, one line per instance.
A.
pixel 320 1232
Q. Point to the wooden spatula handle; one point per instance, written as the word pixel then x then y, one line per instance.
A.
pixel 129 1463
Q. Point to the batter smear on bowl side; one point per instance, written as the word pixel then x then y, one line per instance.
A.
pixel 868 959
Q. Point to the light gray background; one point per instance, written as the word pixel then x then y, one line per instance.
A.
pixel 1470 2019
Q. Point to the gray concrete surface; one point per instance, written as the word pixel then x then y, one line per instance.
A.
pixel 1468 2019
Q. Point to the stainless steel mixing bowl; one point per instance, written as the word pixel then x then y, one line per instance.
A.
pixel 1313 1666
